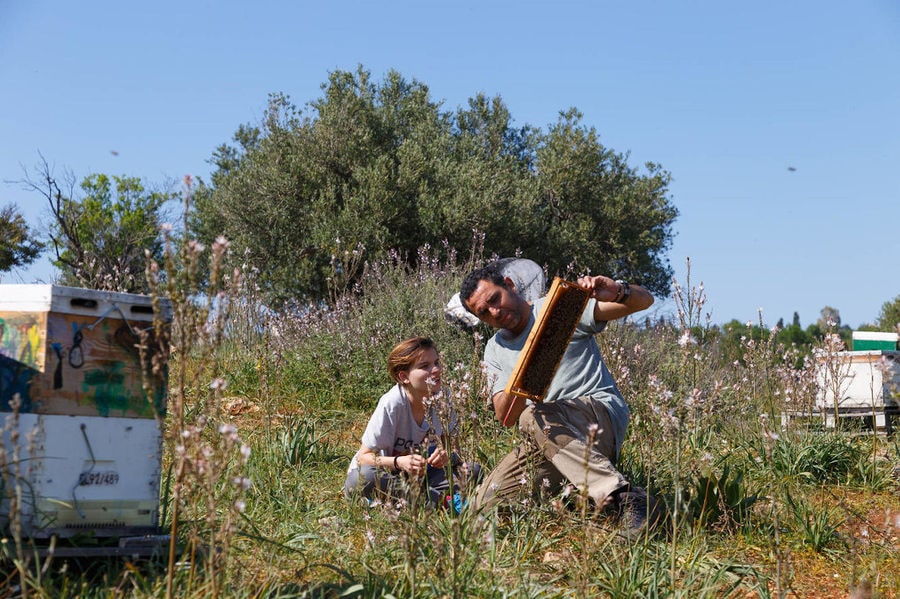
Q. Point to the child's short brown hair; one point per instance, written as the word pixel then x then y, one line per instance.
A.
pixel 404 355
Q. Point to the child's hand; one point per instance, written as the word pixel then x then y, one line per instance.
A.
pixel 413 463
pixel 438 458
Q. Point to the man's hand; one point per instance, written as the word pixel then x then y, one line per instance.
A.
pixel 508 407
pixel 603 289
pixel 612 300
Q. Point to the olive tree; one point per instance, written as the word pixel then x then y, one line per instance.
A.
pixel 369 169
pixel 889 316
pixel 18 244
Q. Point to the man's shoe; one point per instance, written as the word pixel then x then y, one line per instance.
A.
pixel 639 513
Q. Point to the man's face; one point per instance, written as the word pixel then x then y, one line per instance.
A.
pixel 499 307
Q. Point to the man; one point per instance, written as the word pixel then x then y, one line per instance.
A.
pixel 575 435
pixel 529 280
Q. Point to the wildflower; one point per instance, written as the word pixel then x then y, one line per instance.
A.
pixel 686 339
pixel 242 482
pixel 220 245
pixel 195 247
pixel 218 384
pixel 240 505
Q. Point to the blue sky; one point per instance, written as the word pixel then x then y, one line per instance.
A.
pixel 728 97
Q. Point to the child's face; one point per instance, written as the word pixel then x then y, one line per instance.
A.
pixel 424 378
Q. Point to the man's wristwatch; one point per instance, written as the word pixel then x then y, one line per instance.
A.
pixel 624 292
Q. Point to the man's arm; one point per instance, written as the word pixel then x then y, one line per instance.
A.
pixel 615 300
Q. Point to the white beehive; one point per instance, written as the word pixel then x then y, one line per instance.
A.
pixel 866 379
pixel 864 383
pixel 84 474
pixel 83 442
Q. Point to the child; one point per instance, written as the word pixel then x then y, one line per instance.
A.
pixel 405 437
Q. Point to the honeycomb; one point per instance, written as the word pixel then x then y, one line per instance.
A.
pixel 548 340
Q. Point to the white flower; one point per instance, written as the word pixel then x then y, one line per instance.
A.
pixel 195 247
pixel 686 339
pixel 220 244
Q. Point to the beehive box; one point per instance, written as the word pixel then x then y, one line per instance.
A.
pixel 861 380
pixel 83 440
pixel 82 475
pixel 72 351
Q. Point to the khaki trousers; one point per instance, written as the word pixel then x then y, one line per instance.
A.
pixel 563 441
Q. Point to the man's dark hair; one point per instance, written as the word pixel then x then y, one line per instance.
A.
pixel 491 273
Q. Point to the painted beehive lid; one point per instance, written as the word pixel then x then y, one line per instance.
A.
pixel 874 340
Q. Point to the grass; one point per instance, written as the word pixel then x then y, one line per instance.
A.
pixel 276 404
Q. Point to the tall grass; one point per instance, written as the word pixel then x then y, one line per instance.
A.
pixel 266 409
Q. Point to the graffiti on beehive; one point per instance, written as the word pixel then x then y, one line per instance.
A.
pixel 21 337
pixel 93 366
